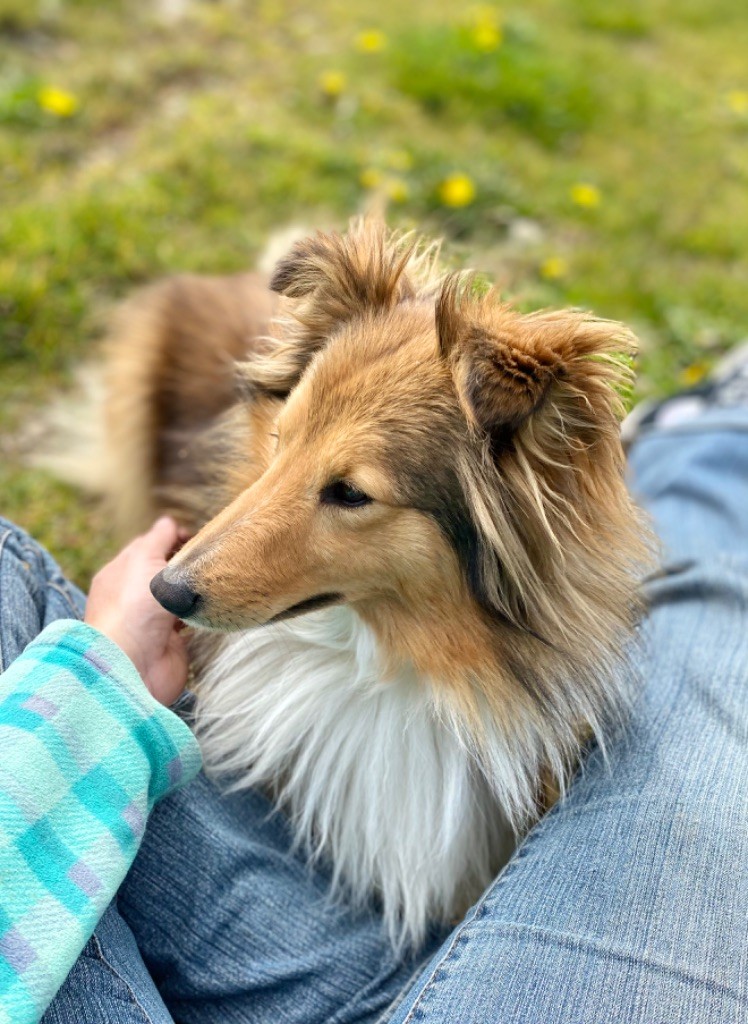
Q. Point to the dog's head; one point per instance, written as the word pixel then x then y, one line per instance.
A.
pixel 445 464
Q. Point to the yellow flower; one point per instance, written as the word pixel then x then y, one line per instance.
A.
pixel 399 160
pixel 397 190
pixel 57 101
pixel 486 37
pixel 370 41
pixel 332 83
pixel 457 190
pixel 370 177
pixel 737 101
pixel 693 374
pixel 585 195
pixel 554 268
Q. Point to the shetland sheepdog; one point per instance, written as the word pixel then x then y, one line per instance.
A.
pixel 415 565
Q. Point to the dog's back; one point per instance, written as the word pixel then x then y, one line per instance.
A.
pixel 170 394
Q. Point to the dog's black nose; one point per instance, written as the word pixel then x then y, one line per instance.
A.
pixel 177 597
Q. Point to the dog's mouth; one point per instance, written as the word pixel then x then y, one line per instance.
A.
pixel 312 604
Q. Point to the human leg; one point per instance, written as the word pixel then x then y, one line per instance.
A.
pixel 629 901
pixel 108 982
pixel 234 926
pixel 33 592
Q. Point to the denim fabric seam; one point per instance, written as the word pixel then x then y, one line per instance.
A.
pixel 477 912
pixel 459 938
pixel 561 940
pixel 397 1001
pixel 544 937
pixel 28 550
pixel 669 805
pixel 68 600
pixel 130 991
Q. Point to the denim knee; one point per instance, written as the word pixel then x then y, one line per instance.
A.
pixel 33 592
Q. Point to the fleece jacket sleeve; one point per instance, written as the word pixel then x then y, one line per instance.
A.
pixel 85 753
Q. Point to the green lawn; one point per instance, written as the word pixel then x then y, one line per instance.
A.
pixel 581 152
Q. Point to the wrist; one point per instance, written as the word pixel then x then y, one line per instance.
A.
pixel 119 636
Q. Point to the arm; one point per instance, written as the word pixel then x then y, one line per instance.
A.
pixel 85 752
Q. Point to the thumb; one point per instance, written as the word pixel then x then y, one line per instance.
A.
pixel 161 539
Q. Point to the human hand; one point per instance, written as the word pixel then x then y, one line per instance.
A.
pixel 121 606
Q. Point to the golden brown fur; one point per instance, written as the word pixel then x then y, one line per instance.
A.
pixel 498 554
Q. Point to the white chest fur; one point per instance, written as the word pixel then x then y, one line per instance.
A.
pixel 374 774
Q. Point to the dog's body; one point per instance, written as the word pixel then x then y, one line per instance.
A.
pixel 420 556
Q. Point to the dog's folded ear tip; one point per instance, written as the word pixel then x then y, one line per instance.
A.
pixel 284 279
pixel 300 271
pixel 279 279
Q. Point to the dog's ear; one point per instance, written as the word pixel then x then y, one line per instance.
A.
pixel 509 368
pixel 338 277
pixel 560 546
pixel 329 280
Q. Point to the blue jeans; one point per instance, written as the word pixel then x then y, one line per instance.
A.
pixel 628 902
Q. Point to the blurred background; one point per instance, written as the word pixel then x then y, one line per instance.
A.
pixel 579 152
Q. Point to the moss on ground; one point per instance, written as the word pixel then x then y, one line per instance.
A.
pixel 582 153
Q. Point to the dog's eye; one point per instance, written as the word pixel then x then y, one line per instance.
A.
pixel 345 494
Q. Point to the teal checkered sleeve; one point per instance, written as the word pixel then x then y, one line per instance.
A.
pixel 85 752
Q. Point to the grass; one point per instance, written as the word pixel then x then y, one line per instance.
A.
pixel 581 153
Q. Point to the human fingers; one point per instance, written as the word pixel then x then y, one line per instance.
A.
pixel 161 539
